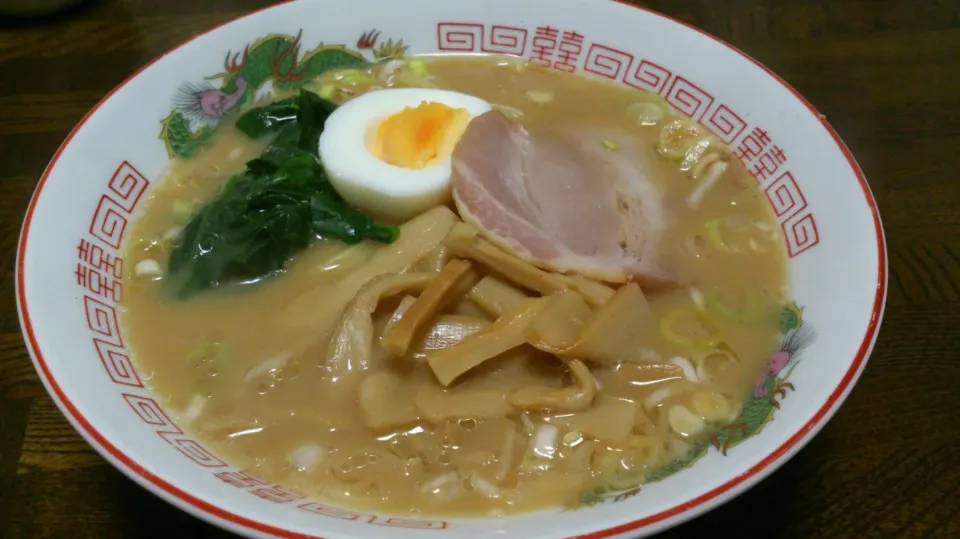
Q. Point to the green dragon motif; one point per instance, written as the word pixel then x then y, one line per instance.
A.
pixel 271 64
pixel 180 140
pixel 757 411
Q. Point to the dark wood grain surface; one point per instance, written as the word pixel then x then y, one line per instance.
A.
pixel 886 73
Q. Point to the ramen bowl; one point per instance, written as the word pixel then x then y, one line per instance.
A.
pixel 70 295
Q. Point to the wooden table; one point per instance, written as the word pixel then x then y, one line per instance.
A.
pixel 885 72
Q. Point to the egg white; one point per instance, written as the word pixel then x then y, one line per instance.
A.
pixel 371 184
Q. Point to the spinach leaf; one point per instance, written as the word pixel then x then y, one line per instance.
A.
pixel 261 121
pixel 312 115
pixel 277 207
pixel 297 137
pixel 246 234
pixel 333 218
pixel 307 109
pixel 283 148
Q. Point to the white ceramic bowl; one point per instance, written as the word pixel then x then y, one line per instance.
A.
pixel 69 296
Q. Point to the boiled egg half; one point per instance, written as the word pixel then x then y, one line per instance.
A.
pixel 388 151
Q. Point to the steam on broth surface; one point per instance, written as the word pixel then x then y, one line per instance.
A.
pixel 441 372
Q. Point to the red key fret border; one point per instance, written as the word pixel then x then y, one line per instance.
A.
pixel 758 153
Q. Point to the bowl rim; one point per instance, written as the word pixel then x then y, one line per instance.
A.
pixel 688 509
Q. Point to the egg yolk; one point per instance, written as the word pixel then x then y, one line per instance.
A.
pixel 416 137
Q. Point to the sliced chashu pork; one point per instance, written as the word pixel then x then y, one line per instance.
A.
pixel 561 200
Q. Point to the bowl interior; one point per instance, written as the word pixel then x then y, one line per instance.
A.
pixel 69 293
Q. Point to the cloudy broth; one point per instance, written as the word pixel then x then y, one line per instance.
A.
pixel 230 367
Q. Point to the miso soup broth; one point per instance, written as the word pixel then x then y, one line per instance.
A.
pixel 455 369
